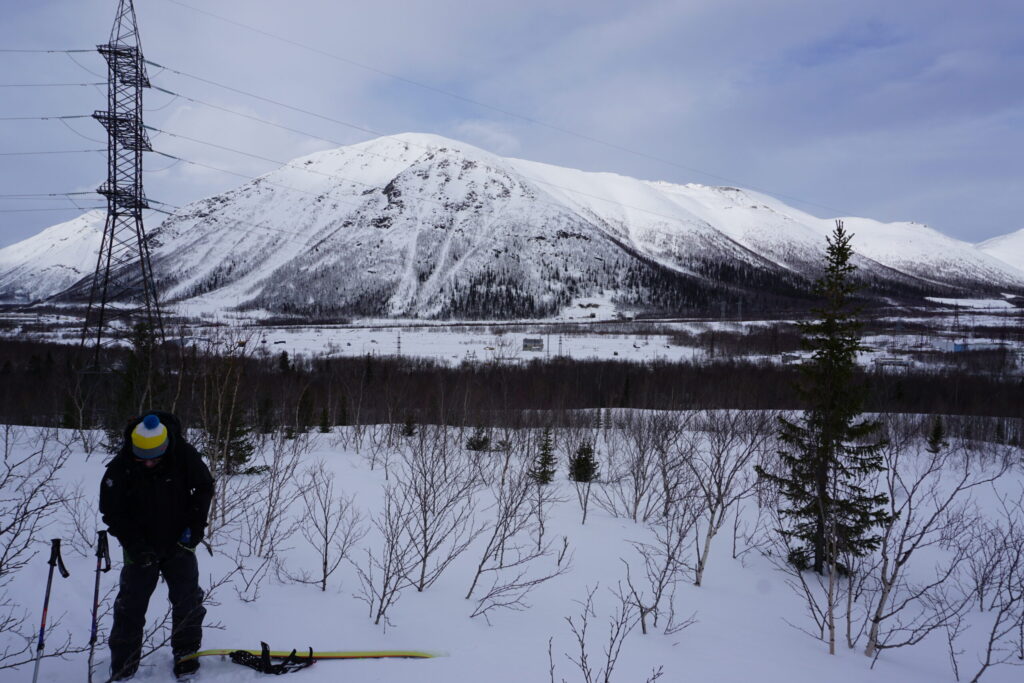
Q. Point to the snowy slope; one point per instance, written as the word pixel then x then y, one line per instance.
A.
pixel 417 225
pixel 750 624
pixel 52 260
pixel 1007 248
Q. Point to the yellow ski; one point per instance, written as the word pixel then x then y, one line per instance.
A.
pixel 339 654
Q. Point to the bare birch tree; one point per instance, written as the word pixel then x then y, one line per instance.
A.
pixel 440 494
pixel 385 573
pixel 720 465
pixel 930 507
pixel 332 524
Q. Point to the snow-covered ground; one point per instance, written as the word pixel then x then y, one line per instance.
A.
pixel 573 334
pixel 748 619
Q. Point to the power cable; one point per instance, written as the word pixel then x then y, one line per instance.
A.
pixel 249 177
pixel 84 68
pixel 500 110
pixel 62 208
pixel 165 168
pixel 25 195
pixel 81 135
pixel 43 118
pixel 163 106
pixel 47 51
pixel 374 132
pixel 44 85
pixel 266 99
pixel 58 151
pixel 252 117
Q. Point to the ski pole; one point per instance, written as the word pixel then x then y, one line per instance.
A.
pixel 55 561
pixel 102 565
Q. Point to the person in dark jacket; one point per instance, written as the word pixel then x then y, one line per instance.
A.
pixel 155 498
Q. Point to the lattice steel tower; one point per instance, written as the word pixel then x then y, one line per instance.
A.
pixel 123 293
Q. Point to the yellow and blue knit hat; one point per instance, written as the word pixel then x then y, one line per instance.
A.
pixel 149 438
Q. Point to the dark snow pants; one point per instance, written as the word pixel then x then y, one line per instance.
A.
pixel 181 572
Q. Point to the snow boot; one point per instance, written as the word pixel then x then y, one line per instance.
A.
pixel 186 667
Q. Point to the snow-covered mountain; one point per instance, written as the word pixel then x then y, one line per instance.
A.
pixel 420 225
pixel 1007 248
pixel 51 260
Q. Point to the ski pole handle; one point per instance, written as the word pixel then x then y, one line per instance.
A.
pixel 103 552
pixel 56 559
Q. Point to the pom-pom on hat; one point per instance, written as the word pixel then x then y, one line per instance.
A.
pixel 149 438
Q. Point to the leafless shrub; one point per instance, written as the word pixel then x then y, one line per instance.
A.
pixel 929 507
pixel 386 571
pixel 29 492
pixel 332 525
pixel 379 446
pixel 80 521
pixel 509 589
pixel 620 624
pixel 652 593
pixel 750 534
pixel 640 481
pixel 30 495
pixel 721 468
pixel 440 493
pixel 264 523
pixel 509 556
pixel 1003 619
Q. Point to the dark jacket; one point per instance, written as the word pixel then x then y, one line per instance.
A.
pixel 147 509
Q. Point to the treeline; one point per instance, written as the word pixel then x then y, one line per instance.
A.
pixel 41 384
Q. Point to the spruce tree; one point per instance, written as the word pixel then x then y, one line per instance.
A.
pixel 583 466
pixel 479 441
pixel 583 472
pixel 936 437
pixel 408 426
pixel 543 470
pixel 238 447
pixel 830 453
pixel 325 423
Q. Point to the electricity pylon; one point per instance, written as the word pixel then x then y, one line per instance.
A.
pixel 122 298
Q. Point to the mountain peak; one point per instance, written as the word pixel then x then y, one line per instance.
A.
pixel 421 225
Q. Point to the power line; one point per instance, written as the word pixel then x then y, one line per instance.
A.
pixel 44 85
pixel 84 68
pixel 372 69
pixel 62 208
pixel 251 117
pixel 375 132
pixel 58 151
pixel 266 99
pixel 43 118
pixel 26 195
pixel 500 110
pixel 81 135
pixel 48 51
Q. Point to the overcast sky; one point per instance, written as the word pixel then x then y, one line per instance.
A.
pixel 895 110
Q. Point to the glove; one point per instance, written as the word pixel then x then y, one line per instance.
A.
pixel 189 539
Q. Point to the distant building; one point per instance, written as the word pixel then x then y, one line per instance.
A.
pixel 892 362
pixel 533 344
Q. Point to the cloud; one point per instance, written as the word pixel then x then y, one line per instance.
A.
pixel 492 136
pixel 889 110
